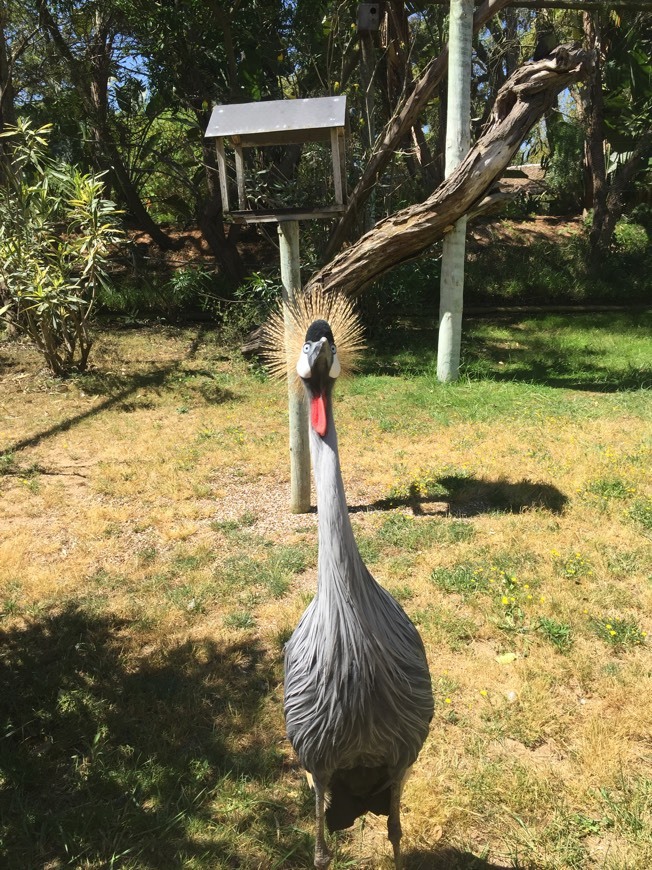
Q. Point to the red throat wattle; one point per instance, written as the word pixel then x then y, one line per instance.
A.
pixel 318 414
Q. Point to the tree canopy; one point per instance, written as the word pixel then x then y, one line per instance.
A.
pixel 128 88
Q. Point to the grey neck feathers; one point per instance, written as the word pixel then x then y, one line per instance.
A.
pixel 340 565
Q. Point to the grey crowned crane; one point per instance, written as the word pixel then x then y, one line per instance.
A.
pixel 358 695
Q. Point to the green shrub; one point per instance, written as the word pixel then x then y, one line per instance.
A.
pixel 630 238
pixel 564 181
pixel 252 303
pixel 55 227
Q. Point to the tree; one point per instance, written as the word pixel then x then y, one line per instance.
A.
pixel 406 116
pixel 85 39
pixel 520 104
pixel 618 108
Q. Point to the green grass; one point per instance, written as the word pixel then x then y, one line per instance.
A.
pixel 418 533
pixel 559 634
pixel 519 364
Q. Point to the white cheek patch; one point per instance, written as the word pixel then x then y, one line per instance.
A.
pixel 303 366
pixel 335 367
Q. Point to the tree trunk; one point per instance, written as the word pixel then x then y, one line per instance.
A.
pixel 458 140
pixel 596 196
pixel 520 104
pixel 404 118
pixel 623 178
pixel 211 221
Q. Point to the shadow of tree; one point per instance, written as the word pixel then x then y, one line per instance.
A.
pixel 448 858
pixel 464 496
pixel 537 355
pixel 119 388
pixel 112 751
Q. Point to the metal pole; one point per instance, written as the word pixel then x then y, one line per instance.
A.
pixel 288 233
pixel 458 141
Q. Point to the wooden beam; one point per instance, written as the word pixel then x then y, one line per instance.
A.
pixel 221 166
pixel 239 171
pixel 337 167
pixel 577 5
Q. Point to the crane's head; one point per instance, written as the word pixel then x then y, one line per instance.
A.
pixel 298 339
pixel 318 366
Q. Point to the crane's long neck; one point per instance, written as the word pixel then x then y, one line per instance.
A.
pixel 340 563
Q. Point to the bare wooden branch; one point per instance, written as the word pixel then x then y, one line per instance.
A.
pixel 520 103
pixel 405 117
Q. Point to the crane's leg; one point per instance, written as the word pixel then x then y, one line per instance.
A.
pixel 322 854
pixel 394 831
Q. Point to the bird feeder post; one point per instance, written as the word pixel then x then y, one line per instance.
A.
pixel 288 233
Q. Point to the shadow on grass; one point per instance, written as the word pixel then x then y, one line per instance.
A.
pixel 113 753
pixel 535 353
pixel 464 496
pixel 119 389
pixel 447 858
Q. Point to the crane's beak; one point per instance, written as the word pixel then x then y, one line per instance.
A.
pixel 314 367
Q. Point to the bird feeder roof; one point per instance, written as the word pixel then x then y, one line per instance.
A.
pixel 277 122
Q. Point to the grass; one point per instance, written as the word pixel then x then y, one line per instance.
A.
pixel 150 573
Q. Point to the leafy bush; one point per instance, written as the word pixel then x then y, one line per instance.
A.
pixel 55 227
pixel 564 182
pixel 253 301
pixel 630 238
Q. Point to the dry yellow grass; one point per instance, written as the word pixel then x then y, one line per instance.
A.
pixel 153 493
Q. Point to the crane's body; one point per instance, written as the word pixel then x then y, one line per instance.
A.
pixel 358 696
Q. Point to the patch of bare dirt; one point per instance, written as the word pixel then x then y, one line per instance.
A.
pixel 524 232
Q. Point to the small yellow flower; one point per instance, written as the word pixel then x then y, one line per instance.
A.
pixel 612 632
pixel 608 625
pixel 447 701
pixel 505 599
pixel 484 693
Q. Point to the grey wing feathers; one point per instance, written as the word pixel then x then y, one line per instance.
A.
pixel 357 687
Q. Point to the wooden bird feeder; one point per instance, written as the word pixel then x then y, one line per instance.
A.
pixel 279 122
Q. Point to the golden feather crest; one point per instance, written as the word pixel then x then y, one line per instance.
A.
pixel 284 334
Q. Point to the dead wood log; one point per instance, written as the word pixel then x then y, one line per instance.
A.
pixel 528 93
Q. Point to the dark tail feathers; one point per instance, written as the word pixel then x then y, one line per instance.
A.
pixel 355 792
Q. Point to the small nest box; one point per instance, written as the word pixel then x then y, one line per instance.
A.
pixel 279 122
pixel 369 17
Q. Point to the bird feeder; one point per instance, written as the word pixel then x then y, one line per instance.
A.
pixel 279 122
pixel 283 122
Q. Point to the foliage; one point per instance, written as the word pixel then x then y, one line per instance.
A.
pixel 252 304
pixel 55 227
pixel 631 238
pixel 564 179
